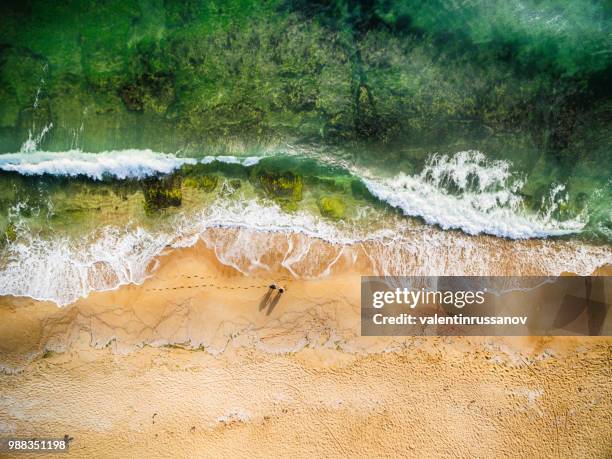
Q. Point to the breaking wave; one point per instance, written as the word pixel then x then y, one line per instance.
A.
pixel 464 191
pixel 467 192
pixel 253 237
pixel 123 164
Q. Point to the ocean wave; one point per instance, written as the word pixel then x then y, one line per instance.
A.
pixel 63 269
pixel 122 164
pixel 256 238
pixel 466 191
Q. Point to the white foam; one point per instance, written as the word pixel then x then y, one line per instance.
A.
pixel 261 236
pixel 33 141
pixel 256 216
pixel 123 164
pixel 467 192
pixel 63 270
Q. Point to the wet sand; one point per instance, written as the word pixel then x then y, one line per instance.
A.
pixel 194 363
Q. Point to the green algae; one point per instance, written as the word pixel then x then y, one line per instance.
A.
pixel 170 75
pixel 207 183
pixel 162 192
pixel 283 187
pixel 10 233
pixel 332 207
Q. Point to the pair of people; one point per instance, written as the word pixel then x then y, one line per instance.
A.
pixel 281 290
pixel 270 300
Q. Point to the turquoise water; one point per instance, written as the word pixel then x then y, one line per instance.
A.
pixel 464 190
pixel 142 123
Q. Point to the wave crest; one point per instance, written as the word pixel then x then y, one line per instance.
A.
pixel 467 192
pixel 122 164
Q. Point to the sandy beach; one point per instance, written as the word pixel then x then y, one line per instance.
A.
pixel 193 192
pixel 202 360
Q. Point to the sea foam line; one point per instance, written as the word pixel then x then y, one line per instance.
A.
pixel 121 164
pixel 65 269
pixel 466 191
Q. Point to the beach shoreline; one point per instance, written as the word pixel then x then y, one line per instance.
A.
pixel 214 361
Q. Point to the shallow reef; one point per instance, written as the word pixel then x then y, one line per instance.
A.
pixel 180 75
pixel 162 192
pixel 331 206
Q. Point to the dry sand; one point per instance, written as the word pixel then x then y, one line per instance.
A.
pixel 189 364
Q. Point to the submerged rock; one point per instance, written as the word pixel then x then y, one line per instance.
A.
pixel 283 187
pixel 205 182
pixel 160 193
pixel 331 207
pixel 152 92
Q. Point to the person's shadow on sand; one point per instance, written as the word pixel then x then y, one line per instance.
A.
pixel 270 300
pixel 274 302
pixel 266 299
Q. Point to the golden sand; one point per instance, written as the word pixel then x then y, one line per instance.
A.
pixel 193 363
